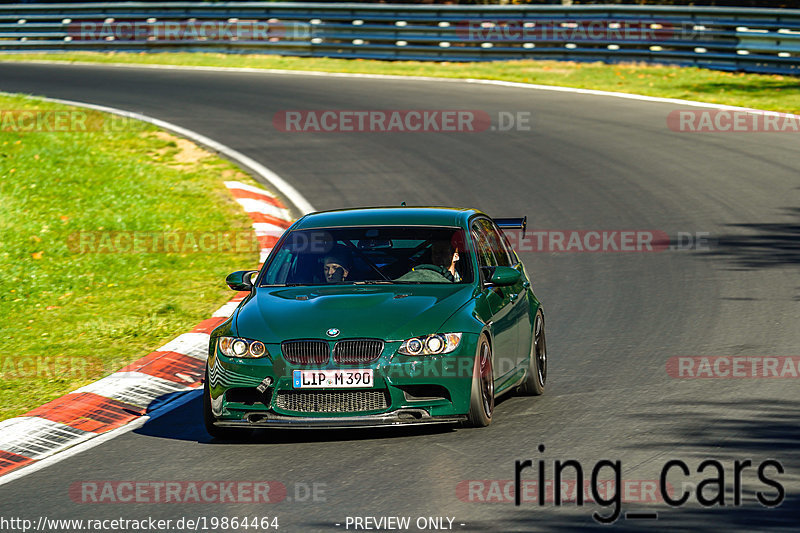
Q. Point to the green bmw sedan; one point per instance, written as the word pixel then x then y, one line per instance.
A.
pixel 378 316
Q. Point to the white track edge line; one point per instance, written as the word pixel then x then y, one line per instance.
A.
pixel 400 77
pixel 30 468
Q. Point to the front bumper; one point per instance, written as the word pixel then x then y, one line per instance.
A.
pixel 412 390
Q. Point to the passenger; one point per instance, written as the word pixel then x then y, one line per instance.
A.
pixel 336 266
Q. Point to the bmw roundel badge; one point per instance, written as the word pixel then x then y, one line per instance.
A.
pixel 333 332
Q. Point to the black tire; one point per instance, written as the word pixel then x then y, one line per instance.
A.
pixel 208 419
pixel 537 366
pixel 481 405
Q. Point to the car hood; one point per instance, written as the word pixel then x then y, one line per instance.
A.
pixel 395 312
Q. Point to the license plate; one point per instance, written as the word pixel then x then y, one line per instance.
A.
pixel 336 379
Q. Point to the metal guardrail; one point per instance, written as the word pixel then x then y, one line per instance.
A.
pixel 736 39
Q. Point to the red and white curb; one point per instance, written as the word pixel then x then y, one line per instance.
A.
pixel 143 386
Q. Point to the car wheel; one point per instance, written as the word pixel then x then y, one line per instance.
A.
pixel 537 366
pixel 208 418
pixel 482 395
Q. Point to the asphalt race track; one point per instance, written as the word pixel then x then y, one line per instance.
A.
pixel 613 319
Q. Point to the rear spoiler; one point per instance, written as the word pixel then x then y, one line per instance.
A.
pixel 512 223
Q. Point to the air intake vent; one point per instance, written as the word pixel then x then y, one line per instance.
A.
pixel 351 351
pixel 331 402
pixel 306 352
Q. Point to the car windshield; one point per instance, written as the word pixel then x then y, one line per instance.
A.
pixel 370 255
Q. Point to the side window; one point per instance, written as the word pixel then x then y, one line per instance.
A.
pixel 496 243
pixel 512 253
pixel 482 246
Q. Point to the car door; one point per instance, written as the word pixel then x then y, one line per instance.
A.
pixel 522 302
pixel 503 328
pixel 519 313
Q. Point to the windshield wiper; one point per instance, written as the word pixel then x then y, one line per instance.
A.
pixel 374 282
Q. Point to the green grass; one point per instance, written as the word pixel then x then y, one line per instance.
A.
pixel 771 92
pixel 68 318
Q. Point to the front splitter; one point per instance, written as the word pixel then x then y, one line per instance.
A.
pixel 402 417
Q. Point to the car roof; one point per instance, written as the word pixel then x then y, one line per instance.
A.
pixel 387 216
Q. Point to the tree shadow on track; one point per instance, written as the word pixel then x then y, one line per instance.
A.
pixel 770 245
pixel 728 431
pixel 761 426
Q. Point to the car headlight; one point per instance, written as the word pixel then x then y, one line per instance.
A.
pixel 241 348
pixel 435 344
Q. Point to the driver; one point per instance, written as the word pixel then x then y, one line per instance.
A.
pixel 336 266
pixel 445 256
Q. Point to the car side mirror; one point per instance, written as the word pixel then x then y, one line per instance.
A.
pixel 241 280
pixel 504 276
